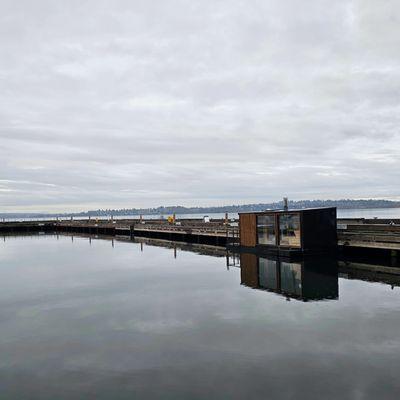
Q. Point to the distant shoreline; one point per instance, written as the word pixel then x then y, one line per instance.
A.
pixel 345 204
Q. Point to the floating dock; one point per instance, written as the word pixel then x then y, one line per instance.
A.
pixel 214 232
pixel 380 237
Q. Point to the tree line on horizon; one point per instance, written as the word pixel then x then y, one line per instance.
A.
pixel 167 210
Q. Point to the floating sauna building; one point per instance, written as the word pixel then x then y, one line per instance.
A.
pixel 289 232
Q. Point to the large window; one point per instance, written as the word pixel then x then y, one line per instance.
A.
pixel 289 230
pixel 266 229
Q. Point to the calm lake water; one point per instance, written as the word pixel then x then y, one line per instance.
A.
pixel 101 319
pixel 341 213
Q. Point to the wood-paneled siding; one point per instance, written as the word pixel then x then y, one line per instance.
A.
pixel 248 230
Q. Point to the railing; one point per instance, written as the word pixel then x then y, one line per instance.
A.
pixel 370 235
pixel 233 237
pixel 219 230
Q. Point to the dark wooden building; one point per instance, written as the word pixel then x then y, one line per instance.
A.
pixel 289 232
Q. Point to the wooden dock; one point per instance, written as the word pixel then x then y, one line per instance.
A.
pixel 204 233
pixel 369 233
pixel 215 232
pixel 371 236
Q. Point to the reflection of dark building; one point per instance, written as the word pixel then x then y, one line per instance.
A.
pixel 313 279
pixel 290 232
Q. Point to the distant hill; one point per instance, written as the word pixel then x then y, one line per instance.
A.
pixel 340 204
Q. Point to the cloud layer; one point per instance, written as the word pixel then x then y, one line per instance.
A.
pixel 143 103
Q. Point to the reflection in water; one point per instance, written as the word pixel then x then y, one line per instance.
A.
pixel 84 319
pixel 370 272
pixel 317 271
pixel 311 279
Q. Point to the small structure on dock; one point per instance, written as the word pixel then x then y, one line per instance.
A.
pixel 289 232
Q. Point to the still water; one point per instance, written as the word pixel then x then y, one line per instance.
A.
pixel 341 213
pixel 100 319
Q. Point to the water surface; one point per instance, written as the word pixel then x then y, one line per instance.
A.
pixel 341 213
pixel 98 319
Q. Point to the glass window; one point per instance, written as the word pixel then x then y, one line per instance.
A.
pixel 289 230
pixel 268 274
pixel 266 229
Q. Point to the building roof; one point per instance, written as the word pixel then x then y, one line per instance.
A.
pixel 281 210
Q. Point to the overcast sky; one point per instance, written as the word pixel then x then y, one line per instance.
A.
pixel 147 103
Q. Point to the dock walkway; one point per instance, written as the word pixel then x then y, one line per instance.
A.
pixel 379 234
pixel 353 234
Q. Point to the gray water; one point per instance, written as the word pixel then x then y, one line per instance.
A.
pixel 100 319
pixel 369 213
pixel 341 213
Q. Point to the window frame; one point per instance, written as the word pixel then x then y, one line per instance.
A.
pixel 276 229
pixel 299 214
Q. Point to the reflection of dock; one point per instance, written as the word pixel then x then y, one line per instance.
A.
pixel 303 280
pixel 309 279
pixel 201 249
pixel 370 272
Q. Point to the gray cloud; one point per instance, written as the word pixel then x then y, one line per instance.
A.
pixel 143 103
